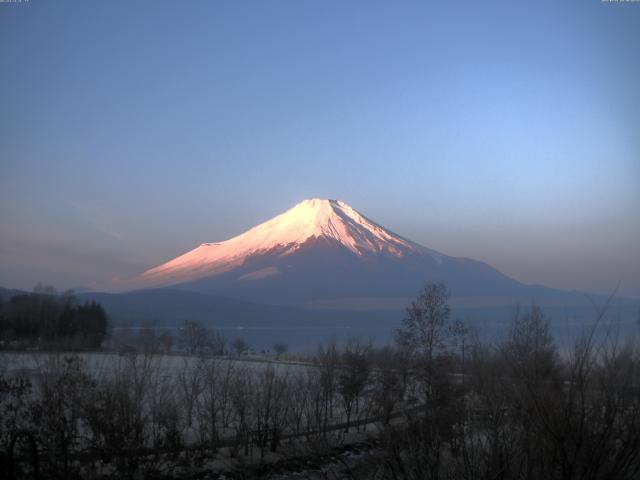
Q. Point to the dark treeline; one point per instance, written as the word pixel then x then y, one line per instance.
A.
pixel 48 319
pixel 438 404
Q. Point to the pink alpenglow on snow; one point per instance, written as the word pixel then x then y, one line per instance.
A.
pixel 308 220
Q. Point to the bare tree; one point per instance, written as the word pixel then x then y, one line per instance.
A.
pixel 215 402
pixel 59 413
pixel 196 338
pixel 328 360
pixel 299 400
pixel 280 348
pixel 530 348
pixel 117 414
pixel 425 329
pixel 353 376
pixel 240 346
pixel 166 342
pixel 427 336
pixel 389 385
pixel 190 381
pixel 271 404
pixel 240 392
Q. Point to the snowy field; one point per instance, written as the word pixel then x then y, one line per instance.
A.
pixel 167 367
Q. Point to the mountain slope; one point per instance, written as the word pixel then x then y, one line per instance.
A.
pixel 320 249
pixel 330 220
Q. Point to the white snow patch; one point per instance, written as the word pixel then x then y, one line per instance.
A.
pixel 260 274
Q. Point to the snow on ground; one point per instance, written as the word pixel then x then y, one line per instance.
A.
pixel 31 364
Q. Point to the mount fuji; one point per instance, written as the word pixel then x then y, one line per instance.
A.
pixel 319 252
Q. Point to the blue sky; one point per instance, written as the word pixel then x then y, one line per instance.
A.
pixel 507 132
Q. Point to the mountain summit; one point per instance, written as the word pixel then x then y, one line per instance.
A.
pixel 313 220
pixel 318 249
pixel 319 218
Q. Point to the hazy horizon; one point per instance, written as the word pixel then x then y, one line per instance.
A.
pixel 504 132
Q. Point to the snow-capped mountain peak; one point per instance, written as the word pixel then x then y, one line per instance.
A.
pixel 311 219
pixel 319 218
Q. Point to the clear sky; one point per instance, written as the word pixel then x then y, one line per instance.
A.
pixel 508 132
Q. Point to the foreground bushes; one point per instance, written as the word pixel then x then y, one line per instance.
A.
pixel 520 411
pixel 437 406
